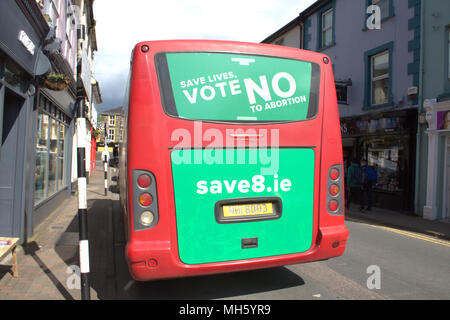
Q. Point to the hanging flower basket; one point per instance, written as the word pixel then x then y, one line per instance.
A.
pixel 95 133
pixel 57 82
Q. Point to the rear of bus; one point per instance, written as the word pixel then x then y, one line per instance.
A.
pixel 233 159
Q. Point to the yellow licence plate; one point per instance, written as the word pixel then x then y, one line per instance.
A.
pixel 252 209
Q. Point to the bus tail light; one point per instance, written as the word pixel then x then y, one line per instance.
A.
pixel 335 196
pixel 147 218
pixel 145 200
pixel 334 174
pixel 144 180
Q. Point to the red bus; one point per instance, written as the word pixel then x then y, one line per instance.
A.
pixel 232 159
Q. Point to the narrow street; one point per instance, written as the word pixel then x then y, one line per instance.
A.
pixel 412 266
pixel 379 263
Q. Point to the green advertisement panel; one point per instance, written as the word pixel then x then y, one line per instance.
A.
pixel 209 232
pixel 233 87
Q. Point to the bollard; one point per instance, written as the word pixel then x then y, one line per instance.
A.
pixel 105 165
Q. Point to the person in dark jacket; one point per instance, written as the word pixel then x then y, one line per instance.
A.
pixel 353 187
pixel 366 188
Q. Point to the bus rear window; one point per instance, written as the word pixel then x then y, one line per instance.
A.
pixel 236 87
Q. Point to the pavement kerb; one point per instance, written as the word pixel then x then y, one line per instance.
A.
pixel 364 218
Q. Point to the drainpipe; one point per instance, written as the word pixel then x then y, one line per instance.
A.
pixel 302 45
pixel 419 111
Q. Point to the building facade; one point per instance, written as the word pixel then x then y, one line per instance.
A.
pixel 377 83
pixel 38 77
pixel 54 112
pixel 23 31
pixel 434 134
pixel 113 123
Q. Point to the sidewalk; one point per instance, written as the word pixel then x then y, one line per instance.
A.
pixel 47 262
pixel 438 229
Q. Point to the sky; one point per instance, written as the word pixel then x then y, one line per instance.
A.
pixel 122 24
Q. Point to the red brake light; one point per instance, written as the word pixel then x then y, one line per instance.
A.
pixel 144 180
pixel 334 174
pixel 145 199
pixel 333 205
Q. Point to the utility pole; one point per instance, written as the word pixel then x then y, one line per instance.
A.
pixel 81 167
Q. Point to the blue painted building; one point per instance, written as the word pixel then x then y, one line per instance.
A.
pixel 433 171
pixel 377 82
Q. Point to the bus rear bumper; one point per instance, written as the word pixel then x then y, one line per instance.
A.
pixel 158 260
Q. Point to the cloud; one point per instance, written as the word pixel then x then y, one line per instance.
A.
pixel 122 24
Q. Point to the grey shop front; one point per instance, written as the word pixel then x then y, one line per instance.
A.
pixel 387 141
pixel 22 62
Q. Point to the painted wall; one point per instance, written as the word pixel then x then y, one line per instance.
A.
pixel 436 85
pixel 290 38
pixel 435 44
pixel 64 15
pixel 352 40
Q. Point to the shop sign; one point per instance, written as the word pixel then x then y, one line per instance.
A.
pixel 386 124
pixel 26 42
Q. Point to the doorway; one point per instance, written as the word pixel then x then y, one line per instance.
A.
pixel 11 162
pixel 446 195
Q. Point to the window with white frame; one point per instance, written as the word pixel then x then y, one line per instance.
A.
pixel 380 78
pixel 112 120
pixel 111 134
pixel 327 28
pixel 53 11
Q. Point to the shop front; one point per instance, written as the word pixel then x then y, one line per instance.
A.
pixel 387 142
pixel 53 152
pixel 22 62
pixel 437 205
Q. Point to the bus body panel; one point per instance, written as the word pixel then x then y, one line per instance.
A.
pixel 205 237
pixel 160 252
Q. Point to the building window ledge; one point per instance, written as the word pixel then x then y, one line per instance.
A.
pixel 327 47
pixel 383 105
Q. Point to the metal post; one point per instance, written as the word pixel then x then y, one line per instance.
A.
pixel 106 156
pixel 81 166
pixel 105 165
pixel 82 203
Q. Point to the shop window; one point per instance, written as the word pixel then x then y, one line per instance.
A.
pixel 50 169
pixel 389 156
pixel 41 172
pixel 61 168
pixel 53 152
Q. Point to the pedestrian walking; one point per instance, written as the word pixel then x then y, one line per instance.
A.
pixel 369 180
pixel 353 182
